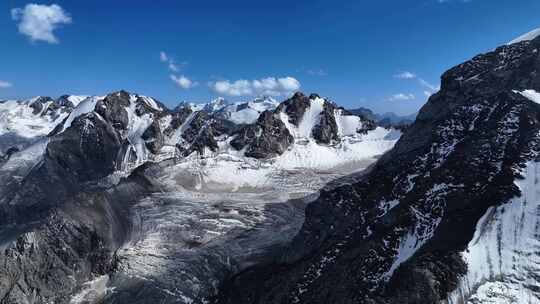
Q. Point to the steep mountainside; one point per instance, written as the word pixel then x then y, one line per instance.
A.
pixel 449 215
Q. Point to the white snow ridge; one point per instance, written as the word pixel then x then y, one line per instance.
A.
pixel 526 37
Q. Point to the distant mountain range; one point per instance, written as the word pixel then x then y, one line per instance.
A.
pixel 388 119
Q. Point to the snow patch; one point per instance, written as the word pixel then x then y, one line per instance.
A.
pixel 310 119
pixel 136 127
pixel 18 118
pixel 76 100
pixel 151 103
pixel 348 125
pixel 92 291
pixel 350 149
pixel 503 258
pixel 532 95
pixel 86 106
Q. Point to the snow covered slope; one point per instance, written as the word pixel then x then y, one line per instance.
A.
pixel 30 118
pixel 248 112
pixel 25 121
pixel 237 112
pixel 503 260
pixel 316 135
pixel 527 37
pixel 229 167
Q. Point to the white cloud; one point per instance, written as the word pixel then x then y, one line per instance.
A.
pixel 270 86
pixel 163 56
pixel 401 97
pixel 38 22
pixel 173 67
pixel 405 75
pixel 5 84
pixel 183 82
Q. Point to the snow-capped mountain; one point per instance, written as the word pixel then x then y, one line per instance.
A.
pixel 23 122
pixel 80 203
pixel 301 132
pixel 449 215
pixel 237 112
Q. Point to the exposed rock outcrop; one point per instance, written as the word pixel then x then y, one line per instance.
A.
pixel 326 131
pixel 267 138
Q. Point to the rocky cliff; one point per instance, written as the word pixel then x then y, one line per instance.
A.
pixel 438 219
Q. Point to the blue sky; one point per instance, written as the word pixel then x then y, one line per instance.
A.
pixel 350 51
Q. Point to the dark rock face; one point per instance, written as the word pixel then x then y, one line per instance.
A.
pixel 64 101
pixel 69 237
pixel 295 107
pixel 267 138
pixel 10 151
pixel 112 109
pixel 367 125
pixel 198 135
pixel 153 137
pixel 395 236
pixel 60 249
pixel 326 131
pixel 104 136
pixel 39 104
pixel 201 131
pixel 89 149
pixel 179 117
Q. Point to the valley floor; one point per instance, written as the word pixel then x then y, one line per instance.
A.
pixel 200 230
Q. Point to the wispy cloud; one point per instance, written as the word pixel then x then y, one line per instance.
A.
pixel 39 22
pixel 173 67
pixel 183 82
pixel 171 63
pixel 317 72
pixel 163 56
pixel 5 84
pixel 431 87
pixel 405 75
pixel 270 86
pixel 401 97
pixel 428 88
pixel 180 80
